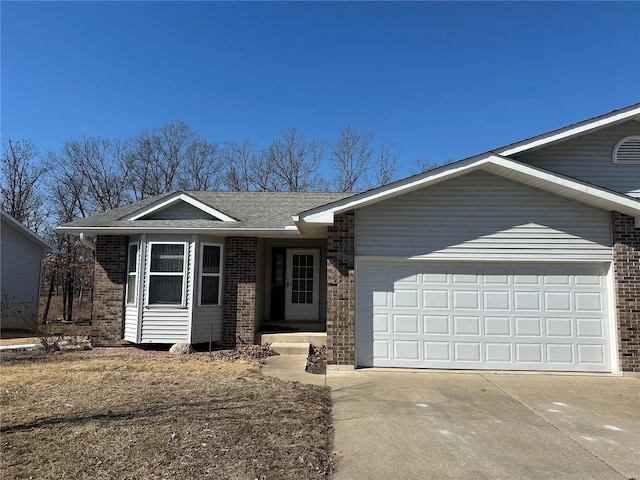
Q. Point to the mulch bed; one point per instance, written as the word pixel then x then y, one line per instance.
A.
pixel 317 360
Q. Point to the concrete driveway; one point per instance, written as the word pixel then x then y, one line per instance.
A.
pixel 396 424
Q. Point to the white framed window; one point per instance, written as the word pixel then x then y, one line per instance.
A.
pixel 132 274
pixel 627 150
pixel 210 274
pixel 167 274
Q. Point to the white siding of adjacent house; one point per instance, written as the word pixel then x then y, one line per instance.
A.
pixel 21 260
pixel 588 158
pixel 483 217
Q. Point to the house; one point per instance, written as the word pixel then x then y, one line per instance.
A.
pixel 21 258
pixel 526 257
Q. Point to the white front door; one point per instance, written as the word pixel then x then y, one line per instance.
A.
pixel 301 297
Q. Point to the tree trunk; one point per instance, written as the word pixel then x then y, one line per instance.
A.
pixel 45 315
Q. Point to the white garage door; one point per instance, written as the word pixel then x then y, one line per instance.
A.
pixel 482 316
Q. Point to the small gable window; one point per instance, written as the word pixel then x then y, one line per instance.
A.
pixel 627 150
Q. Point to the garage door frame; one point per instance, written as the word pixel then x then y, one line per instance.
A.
pixel 609 285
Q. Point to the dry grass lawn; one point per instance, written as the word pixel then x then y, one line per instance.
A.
pixel 145 415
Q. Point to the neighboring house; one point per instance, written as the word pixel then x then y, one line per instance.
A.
pixel 523 258
pixel 21 258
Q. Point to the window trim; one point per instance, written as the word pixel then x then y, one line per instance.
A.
pixel 614 155
pixel 132 274
pixel 201 273
pixel 149 273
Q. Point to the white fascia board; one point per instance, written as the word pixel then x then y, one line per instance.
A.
pixel 567 132
pixel 170 200
pixel 505 167
pixel 132 230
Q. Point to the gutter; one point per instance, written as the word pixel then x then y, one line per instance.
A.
pixel 287 231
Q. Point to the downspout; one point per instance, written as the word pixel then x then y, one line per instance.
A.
pixel 90 244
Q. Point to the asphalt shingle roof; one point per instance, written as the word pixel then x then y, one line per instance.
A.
pixel 251 209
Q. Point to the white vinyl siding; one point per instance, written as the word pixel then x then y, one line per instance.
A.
pixel 21 261
pixel 483 315
pixel 483 216
pixel 131 323
pixel 204 318
pixel 20 277
pixel 589 158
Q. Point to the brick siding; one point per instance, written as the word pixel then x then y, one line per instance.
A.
pixel 109 286
pixel 341 323
pixel 240 291
pixel 626 254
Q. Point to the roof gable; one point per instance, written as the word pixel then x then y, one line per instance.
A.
pixel 495 164
pixel 178 206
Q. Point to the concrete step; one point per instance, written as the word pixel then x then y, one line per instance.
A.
pixel 291 348
pixel 314 338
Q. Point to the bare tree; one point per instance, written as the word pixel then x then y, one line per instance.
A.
pixel 95 179
pixel 21 183
pixel 351 157
pixel 386 167
pixel 171 157
pixel 238 158
pixel 289 164
pixel 421 164
pixel 202 168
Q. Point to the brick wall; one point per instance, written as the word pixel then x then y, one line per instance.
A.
pixel 240 291
pixel 341 324
pixel 626 254
pixel 109 287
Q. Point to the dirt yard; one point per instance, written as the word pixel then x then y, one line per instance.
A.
pixel 136 414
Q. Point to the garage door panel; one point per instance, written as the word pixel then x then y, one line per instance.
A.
pixel 436 324
pixel 483 316
pixel 497 326
pixel 559 327
pixel 498 352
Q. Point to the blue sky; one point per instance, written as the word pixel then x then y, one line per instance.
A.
pixel 442 80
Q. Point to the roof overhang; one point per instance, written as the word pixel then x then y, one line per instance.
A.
pixel 291 231
pixel 504 167
pixel 617 116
